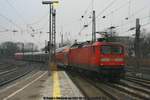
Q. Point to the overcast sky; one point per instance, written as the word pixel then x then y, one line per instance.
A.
pixel 28 15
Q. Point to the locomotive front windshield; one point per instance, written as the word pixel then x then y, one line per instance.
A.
pixel 111 49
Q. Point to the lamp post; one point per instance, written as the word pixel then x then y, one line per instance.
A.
pixel 50 25
pixel 51 30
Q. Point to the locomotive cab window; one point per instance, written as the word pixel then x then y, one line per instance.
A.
pixel 106 50
pixel 111 49
pixel 117 50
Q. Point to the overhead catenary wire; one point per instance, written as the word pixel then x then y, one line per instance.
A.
pixel 117 9
pixel 91 4
pixel 133 28
pixel 137 12
pixel 145 24
pixel 3 31
pixel 18 13
pixel 2 27
pixel 109 5
pixel 10 21
pixel 86 11
pixel 133 20
pixel 131 15
pixel 127 24
pixel 22 18
pixel 42 25
pixel 40 19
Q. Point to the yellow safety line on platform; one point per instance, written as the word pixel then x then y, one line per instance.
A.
pixel 56 83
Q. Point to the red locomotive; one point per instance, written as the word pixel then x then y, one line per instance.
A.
pixel 104 58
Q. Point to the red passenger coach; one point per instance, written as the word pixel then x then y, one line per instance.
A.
pixel 105 58
pixel 18 56
pixel 62 56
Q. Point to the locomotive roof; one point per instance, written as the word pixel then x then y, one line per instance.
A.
pixel 97 43
pixel 106 43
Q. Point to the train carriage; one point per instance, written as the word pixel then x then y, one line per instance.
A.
pixel 32 56
pixel 103 58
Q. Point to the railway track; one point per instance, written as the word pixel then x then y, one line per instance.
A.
pixel 85 87
pixel 142 82
pixel 104 90
pixel 111 92
pixel 125 89
pixel 138 79
pixel 13 74
pixel 5 66
pixel 7 71
pixel 131 90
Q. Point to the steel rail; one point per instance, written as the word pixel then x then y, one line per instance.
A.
pixel 138 82
pixel 17 74
pixel 130 91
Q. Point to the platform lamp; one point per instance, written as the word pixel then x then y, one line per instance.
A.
pixel 50 3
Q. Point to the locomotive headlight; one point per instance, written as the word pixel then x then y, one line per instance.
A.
pixel 119 59
pixel 105 59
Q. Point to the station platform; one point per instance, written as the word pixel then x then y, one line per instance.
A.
pixel 59 85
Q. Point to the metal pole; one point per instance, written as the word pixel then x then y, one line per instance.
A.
pixel 49 41
pixel 54 33
pixel 32 51
pixel 137 44
pixel 137 37
pixel 51 49
pixel 50 34
pixel 93 27
pixel 62 39
pixel 23 49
